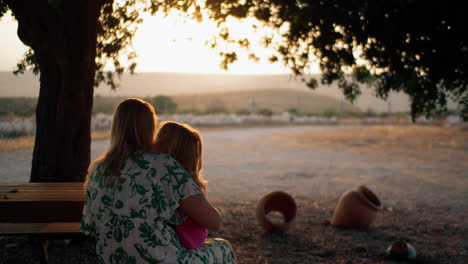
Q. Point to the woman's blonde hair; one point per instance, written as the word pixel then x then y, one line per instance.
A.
pixel 184 144
pixel 133 128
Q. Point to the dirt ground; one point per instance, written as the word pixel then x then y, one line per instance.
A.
pixel 437 228
pixel 423 187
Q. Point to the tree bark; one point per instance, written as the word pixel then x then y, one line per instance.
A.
pixel 63 35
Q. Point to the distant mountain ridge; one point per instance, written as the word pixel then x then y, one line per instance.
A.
pixel 151 84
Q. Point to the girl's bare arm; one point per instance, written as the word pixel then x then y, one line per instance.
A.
pixel 199 209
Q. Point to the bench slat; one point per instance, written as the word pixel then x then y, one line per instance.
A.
pixel 58 195
pixel 16 191
pixel 28 190
pixel 6 198
pixel 39 199
pixel 39 228
pixel 41 192
pixel 41 202
pixel 54 188
pixel 41 184
pixel 41 211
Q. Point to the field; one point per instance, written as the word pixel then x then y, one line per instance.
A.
pixel 274 99
pixel 418 172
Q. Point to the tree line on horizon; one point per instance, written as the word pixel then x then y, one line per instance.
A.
pixel 11 107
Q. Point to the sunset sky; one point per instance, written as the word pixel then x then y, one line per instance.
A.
pixel 165 45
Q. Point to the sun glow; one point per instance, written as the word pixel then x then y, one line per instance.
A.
pixel 168 44
pixel 11 48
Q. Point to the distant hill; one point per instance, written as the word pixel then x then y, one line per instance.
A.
pixel 25 85
pixel 277 100
pixel 151 84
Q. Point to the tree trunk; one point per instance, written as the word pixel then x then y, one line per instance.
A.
pixel 63 35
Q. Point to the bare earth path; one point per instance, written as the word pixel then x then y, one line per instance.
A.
pixel 419 173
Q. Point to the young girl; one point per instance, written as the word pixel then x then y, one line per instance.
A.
pixel 183 143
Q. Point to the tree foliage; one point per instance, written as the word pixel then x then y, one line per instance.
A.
pixel 3 8
pixel 414 46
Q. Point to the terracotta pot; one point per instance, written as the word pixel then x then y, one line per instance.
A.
pixel 356 208
pixel 277 201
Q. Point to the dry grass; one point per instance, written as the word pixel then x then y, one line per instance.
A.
pixel 19 143
pixel 410 140
pixel 103 134
pixel 27 142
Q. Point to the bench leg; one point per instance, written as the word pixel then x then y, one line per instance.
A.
pixel 43 248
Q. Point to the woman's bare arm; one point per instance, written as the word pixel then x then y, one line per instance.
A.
pixel 199 209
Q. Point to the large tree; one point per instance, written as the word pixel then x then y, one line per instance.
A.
pixel 415 46
pixel 62 36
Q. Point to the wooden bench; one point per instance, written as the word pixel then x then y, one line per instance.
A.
pixel 41 210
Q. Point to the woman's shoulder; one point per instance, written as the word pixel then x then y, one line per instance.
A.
pixel 154 157
pixel 94 167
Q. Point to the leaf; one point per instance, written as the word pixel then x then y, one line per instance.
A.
pixel 158 199
pixel 134 214
pixel 148 235
pixel 142 163
pixel 312 83
pixel 121 257
pixel 126 224
pixel 118 234
pixel 143 252
pixel 143 213
pixel 100 260
pixel 87 197
pixel 119 204
pixel 150 174
pixel 140 189
pixel 106 200
pixel 143 200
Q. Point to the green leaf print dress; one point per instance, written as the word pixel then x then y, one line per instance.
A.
pixel 131 222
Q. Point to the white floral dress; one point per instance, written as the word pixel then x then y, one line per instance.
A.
pixel 132 222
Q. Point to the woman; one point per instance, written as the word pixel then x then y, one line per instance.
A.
pixel 134 196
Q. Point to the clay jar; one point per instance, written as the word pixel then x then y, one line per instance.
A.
pixel 356 208
pixel 280 202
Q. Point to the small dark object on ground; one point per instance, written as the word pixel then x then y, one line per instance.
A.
pixel 401 250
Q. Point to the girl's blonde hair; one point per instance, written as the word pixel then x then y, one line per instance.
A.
pixel 133 128
pixel 184 144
